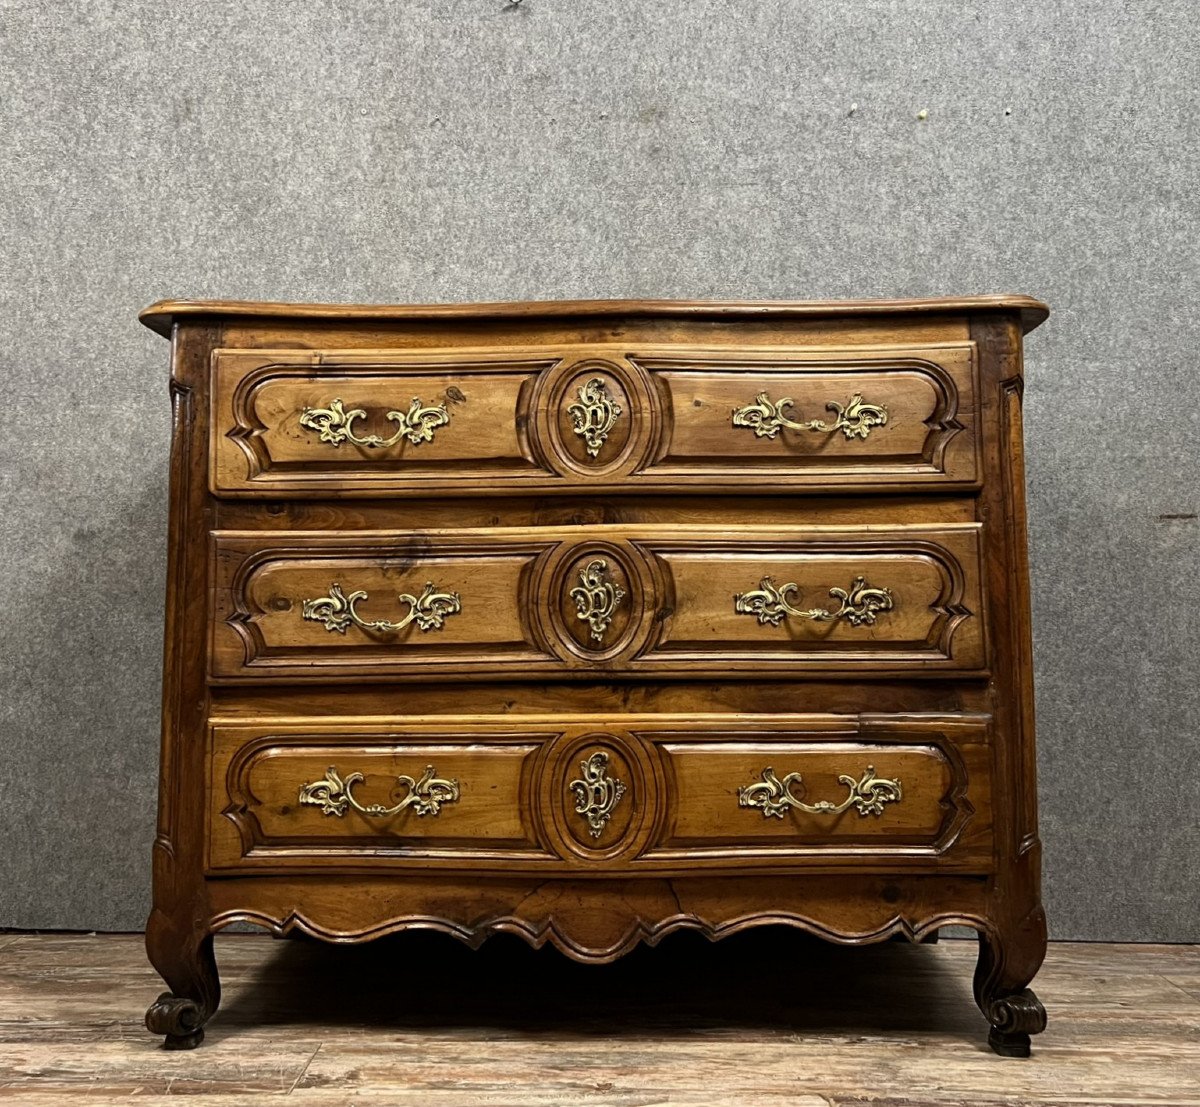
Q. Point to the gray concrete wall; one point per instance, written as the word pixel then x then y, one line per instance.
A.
pixel 462 149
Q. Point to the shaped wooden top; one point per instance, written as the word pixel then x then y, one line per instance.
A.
pixel 163 315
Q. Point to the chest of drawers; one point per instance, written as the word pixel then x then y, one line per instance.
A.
pixel 591 621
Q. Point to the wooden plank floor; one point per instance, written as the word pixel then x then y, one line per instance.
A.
pixel 768 1017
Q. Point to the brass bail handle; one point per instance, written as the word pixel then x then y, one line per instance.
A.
pixel 767 417
pixel 773 797
pixel 859 605
pixel 334 795
pixel 335 425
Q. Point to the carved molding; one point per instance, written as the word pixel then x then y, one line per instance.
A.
pixel 591 613
pixel 950 556
pixel 236 801
pixel 558 931
pixel 607 436
pixel 247 432
pixel 335 553
pixel 944 423
pixel 553 384
pixel 556 642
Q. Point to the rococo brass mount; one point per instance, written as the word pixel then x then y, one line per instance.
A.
pixel 773 796
pixel 336 611
pixel 597 793
pixel 336 425
pixel 596 597
pixel 767 418
pixel 594 414
pixel 333 795
pixel 859 606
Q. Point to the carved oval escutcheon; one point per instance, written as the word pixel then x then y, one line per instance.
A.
pixel 595 792
pixel 593 417
pixel 594 602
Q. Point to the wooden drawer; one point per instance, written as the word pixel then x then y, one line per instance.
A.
pixel 602 416
pixel 642 599
pixel 808 796
pixel 358 791
pixel 647 794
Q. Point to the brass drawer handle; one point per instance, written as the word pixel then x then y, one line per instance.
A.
pixel 766 417
pixel 429 610
pixel 336 425
pixel 333 795
pixel 859 606
pixel 773 796
pixel 594 414
pixel 597 793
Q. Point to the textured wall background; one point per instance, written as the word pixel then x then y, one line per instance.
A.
pixel 461 149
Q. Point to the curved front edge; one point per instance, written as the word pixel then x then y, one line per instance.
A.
pixel 596 920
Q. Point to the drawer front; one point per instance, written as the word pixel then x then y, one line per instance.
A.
pixel 649 794
pixel 377 604
pixel 642 600
pixel 657 418
pixel 363 792
pixel 833 601
pixel 330 423
pixel 807 795
pixel 882 416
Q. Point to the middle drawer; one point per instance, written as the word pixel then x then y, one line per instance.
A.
pixel 639 599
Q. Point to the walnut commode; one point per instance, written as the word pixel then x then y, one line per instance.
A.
pixel 592 621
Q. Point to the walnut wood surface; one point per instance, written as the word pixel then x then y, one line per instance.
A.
pixel 508 424
pixel 677 616
pixel 162 315
pixel 687 699
pixel 679 815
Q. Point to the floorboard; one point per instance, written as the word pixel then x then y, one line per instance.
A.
pixel 768 1017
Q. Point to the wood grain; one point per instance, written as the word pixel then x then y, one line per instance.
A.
pixel 162 315
pixel 832 1028
pixel 679 814
pixel 677 615
pixel 508 425
pixel 507 506
pixel 255 812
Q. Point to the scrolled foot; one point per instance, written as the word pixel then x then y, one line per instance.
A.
pixel 1013 1019
pixel 181 1020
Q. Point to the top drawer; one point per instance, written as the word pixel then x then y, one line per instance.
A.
pixel 604 417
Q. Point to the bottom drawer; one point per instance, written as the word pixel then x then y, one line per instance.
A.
pixel 646 794
pixel 353 792
pixel 808 796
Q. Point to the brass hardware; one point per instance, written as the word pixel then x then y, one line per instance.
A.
pixel 766 418
pixel 596 597
pixel 333 795
pixel 429 610
pixel 773 796
pixel 336 424
pixel 594 414
pixel 597 793
pixel 859 606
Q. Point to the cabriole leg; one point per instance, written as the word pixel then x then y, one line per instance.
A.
pixel 184 958
pixel 1007 963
